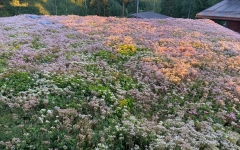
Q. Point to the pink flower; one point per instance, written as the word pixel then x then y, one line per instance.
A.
pixel 192 112
pixel 170 105
pixel 206 112
pixel 231 116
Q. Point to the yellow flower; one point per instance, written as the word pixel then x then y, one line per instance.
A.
pixel 126 49
pixel 126 102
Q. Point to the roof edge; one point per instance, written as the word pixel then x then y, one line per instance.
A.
pixel 216 18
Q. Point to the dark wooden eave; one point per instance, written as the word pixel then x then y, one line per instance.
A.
pixel 224 10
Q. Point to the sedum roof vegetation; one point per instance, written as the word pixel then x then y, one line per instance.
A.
pixel 116 83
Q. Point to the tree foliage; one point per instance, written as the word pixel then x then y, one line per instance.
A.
pixel 185 8
pixel 173 8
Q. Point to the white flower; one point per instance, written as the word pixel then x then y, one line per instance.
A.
pixel 65 147
pixel 41 119
pixel 49 112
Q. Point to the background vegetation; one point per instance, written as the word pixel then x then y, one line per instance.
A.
pixel 173 8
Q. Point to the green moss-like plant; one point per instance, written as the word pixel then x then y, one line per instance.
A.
pixel 16 82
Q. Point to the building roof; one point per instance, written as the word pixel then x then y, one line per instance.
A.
pixel 149 15
pixel 224 10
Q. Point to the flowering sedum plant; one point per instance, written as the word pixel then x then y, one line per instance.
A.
pixel 126 49
pixel 116 83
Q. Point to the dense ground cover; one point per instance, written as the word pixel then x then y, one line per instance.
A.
pixel 70 82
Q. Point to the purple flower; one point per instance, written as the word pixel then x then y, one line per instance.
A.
pixel 206 112
pixel 231 116
pixel 192 112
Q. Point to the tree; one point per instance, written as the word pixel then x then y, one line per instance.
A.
pixel 185 8
pixel 124 2
pixel 104 4
pixel 150 5
pixel 170 7
pixel 99 4
pixel 174 8
pixel 115 8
